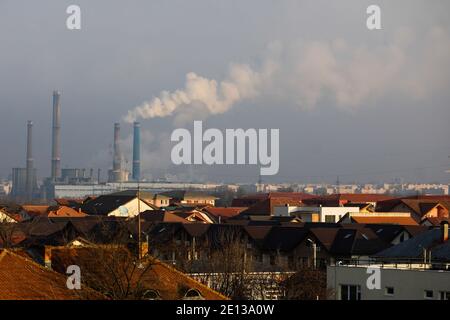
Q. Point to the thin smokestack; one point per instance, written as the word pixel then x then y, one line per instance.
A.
pixel 117 163
pixel 29 167
pixel 56 152
pixel 136 151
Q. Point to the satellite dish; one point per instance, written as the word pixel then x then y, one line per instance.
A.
pixel 123 211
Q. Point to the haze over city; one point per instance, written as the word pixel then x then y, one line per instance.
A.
pixel 365 106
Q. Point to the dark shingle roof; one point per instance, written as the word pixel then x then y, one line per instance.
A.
pixel 284 238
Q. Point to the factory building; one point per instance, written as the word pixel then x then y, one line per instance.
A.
pixel 117 174
pixel 24 179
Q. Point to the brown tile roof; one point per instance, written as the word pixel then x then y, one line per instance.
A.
pixel 405 221
pixel 435 221
pixel 35 210
pixel 226 212
pixel 168 282
pixel 64 212
pixel 161 216
pixel 23 279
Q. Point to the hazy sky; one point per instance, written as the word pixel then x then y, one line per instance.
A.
pixel 364 105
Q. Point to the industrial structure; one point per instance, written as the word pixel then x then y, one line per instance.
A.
pixel 117 174
pixel 136 151
pixel 56 128
pixel 24 179
pixel 58 175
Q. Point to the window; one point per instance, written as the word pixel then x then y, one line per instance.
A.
pixel 151 295
pixel 330 218
pixel 428 294
pixel 444 295
pixel 350 292
pixel 389 291
pixel 193 294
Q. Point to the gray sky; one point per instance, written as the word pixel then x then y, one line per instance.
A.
pixel 365 105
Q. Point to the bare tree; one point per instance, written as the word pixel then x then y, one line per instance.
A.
pixel 227 264
pixel 109 269
pixel 306 284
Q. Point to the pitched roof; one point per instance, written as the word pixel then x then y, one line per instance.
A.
pixel 361 241
pixel 225 212
pixel 434 221
pixel 105 204
pixel 161 216
pixel 384 220
pixel 23 279
pixel 65 212
pixel 420 206
pixel 284 238
pixel 413 248
pixel 35 210
pixel 168 282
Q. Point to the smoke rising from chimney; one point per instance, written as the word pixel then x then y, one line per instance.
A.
pixel 304 73
pixel 218 97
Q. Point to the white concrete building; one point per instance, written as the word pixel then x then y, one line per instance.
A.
pixel 395 282
pixel 325 214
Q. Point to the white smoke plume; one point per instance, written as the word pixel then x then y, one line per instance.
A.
pixel 242 83
pixel 349 76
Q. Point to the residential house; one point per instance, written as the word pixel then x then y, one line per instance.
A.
pixel 420 209
pixel 120 204
pixel 23 279
pixel 401 218
pixel 189 197
pixel 222 214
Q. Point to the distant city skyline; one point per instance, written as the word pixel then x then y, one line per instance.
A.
pixel 367 106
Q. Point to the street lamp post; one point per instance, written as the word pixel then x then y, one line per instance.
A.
pixel 314 248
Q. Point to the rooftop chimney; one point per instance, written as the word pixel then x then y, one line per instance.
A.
pixel 136 151
pixel 444 231
pixel 56 153
pixel 29 167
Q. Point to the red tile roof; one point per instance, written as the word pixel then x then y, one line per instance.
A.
pixel 64 212
pixel 23 279
pixel 167 281
pixel 226 212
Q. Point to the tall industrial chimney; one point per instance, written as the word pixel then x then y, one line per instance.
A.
pixel 29 167
pixel 117 158
pixel 136 151
pixel 56 152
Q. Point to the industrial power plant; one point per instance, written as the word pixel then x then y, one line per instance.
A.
pixel 24 180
